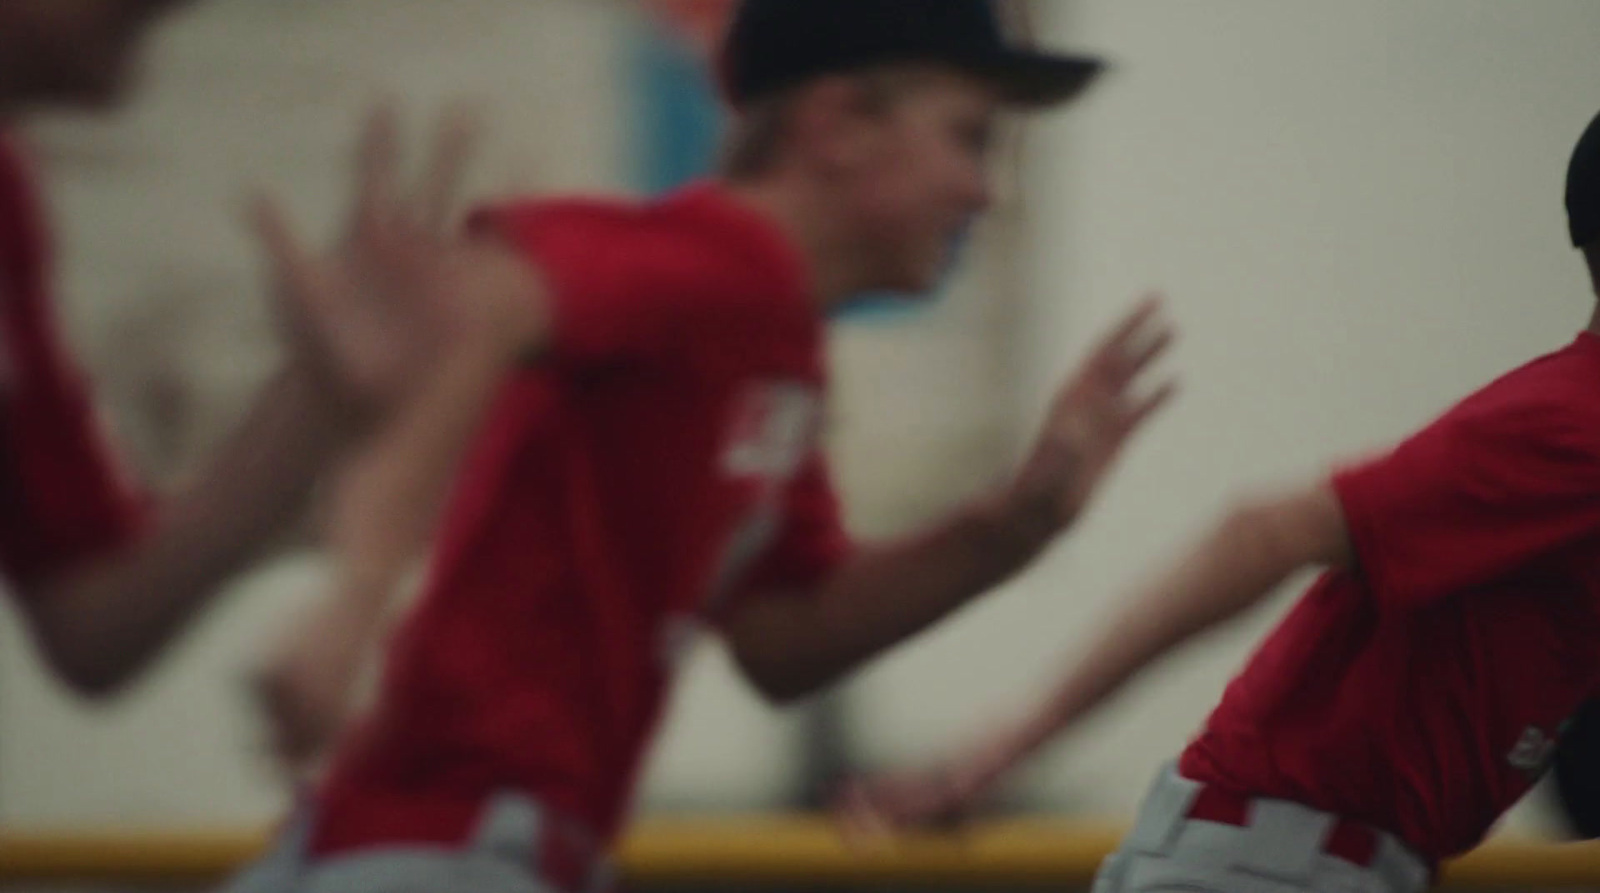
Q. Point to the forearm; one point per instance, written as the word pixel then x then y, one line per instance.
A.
pixel 1238 564
pixel 385 506
pixel 389 500
pixel 101 622
pixel 793 645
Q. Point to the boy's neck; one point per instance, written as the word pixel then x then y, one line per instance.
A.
pixel 803 215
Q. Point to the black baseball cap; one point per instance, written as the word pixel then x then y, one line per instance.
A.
pixel 774 44
pixel 1583 188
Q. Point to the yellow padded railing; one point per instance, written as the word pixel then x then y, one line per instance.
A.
pixel 752 851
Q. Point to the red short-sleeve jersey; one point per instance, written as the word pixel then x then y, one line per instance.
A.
pixel 1424 691
pixel 661 463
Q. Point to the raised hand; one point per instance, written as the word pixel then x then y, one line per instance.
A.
pixel 401 288
pixel 1094 416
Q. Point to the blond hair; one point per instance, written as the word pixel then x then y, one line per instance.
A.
pixel 756 138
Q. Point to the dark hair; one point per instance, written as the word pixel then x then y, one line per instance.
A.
pixel 1583 187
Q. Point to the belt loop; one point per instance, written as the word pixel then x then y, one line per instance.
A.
pixel 1400 869
pixel 558 851
pixel 512 827
pixel 1285 839
pixel 1163 812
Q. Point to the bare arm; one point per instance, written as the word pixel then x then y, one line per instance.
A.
pixel 364 325
pixel 100 623
pixel 791 645
pixel 387 501
pixel 1248 553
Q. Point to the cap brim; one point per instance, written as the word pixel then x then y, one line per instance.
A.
pixel 1040 80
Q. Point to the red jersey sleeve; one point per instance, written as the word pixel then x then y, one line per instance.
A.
pixel 1473 497
pixel 624 285
pixel 812 541
pixel 63 495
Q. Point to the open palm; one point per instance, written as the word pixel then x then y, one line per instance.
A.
pixel 1096 413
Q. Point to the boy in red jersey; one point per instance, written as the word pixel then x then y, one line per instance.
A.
pixel 1414 694
pixel 656 467
pixel 104 576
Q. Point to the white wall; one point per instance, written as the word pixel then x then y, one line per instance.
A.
pixel 1356 210
pixel 147 204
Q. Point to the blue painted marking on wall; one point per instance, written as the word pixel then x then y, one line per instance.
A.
pixel 677 113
